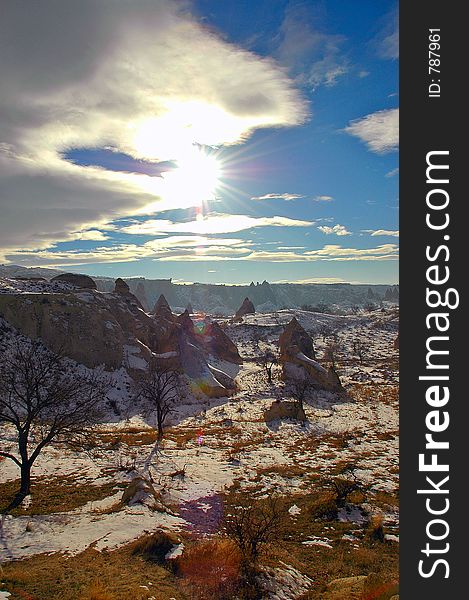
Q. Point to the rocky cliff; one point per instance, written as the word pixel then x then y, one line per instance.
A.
pixel 110 328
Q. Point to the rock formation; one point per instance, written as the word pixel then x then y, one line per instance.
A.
pixel 189 309
pixel 246 308
pixel 141 295
pixel 211 337
pixel 396 343
pixel 284 410
pixel 297 357
pixel 162 309
pixel 77 280
pixel 295 339
pixel 111 329
pixel 121 287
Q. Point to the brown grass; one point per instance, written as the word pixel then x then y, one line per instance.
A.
pixel 55 494
pixel 57 577
pixel 210 569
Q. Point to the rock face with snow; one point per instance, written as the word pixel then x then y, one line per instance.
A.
pixel 77 280
pixel 211 337
pixel 112 329
pixel 298 359
pixel 246 308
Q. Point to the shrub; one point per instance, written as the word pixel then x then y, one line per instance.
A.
pixel 251 524
pixel 211 569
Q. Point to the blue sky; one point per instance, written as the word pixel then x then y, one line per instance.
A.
pixel 212 141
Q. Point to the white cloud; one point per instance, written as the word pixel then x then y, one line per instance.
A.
pixel 196 249
pixel 142 77
pixel 379 232
pixel 277 197
pixel 314 57
pixel 323 199
pixel 335 230
pixel 387 40
pixel 379 130
pixel 392 173
pixel 213 224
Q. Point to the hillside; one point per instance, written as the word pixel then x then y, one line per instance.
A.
pixel 333 465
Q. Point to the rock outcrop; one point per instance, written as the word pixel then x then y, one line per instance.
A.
pixel 77 280
pixel 211 337
pixel 162 309
pixel 295 339
pixel 246 308
pixel 284 410
pixel 111 329
pixel 297 357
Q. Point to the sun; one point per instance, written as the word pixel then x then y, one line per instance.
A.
pixel 195 178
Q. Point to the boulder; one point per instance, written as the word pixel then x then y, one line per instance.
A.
pixel 297 357
pixel 246 308
pixel 284 410
pixel 77 280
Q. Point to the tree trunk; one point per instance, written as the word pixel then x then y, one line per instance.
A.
pixel 25 487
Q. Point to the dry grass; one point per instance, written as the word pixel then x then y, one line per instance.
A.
pixel 210 570
pixel 121 575
pixel 55 494
pixel 155 546
pixel 129 436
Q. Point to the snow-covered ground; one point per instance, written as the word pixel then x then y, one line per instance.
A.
pixel 213 443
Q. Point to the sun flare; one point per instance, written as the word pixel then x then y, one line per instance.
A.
pixel 196 177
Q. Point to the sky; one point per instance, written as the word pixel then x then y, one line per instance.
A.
pixel 212 141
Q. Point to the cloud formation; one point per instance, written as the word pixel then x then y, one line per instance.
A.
pixel 379 130
pixel 133 86
pixel 334 230
pixel 315 58
pixel 212 224
pixel 278 197
pixel 379 232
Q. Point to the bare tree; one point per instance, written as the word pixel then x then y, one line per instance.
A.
pixel 268 360
pixel 159 386
pixel 360 349
pixel 331 353
pixel 251 524
pixel 300 391
pixel 45 401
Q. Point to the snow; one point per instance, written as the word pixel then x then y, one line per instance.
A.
pixel 226 439
pixel 311 362
pixel 4 595
pixel 175 551
pixel 315 541
pixel 134 361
